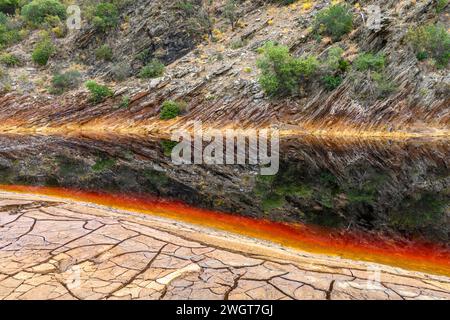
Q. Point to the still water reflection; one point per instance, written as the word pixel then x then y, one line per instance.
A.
pixel 398 189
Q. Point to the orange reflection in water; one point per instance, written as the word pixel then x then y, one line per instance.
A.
pixel 415 255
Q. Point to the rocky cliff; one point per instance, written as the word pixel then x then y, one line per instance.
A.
pixel 211 68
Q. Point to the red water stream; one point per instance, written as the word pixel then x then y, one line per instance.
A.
pixel 416 255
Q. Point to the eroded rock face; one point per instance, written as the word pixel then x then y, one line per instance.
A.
pixel 219 80
pixel 54 249
pixel 150 29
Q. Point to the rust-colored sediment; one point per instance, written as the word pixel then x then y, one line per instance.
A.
pixel 414 255
pixel 164 129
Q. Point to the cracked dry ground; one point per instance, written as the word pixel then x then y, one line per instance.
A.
pixel 58 249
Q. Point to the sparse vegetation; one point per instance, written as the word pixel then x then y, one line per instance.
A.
pixel 440 5
pixel 239 43
pixel 335 62
pixel 373 66
pixel 169 110
pixel 280 72
pixel 104 53
pixel 121 71
pixel 384 87
pixel 9 33
pixel 154 69
pixel 431 41
pixel 186 7
pixel 65 81
pixel 335 21
pixel 98 92
pixel 9 60
pixel 125 102
pixel 199 23
pixel 230 12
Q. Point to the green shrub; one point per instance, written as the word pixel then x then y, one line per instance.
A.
pixel 52 21
pixel 104 53
pixel 38 10
pixel 64 81
pixel 440 5
pixel 239 43
pixel 125 102
pixel 154 69
pixel 335 62
pixel 169 110
pixel 103 164
pixel 421 56
pixel 106 16
pixel 280 72
pixel 43 51
pixel 335 21
pixel 167 147
pixel 369 61
pixel 187 7
pixel 332 82
pixel 9 34
pixel 121 71
pixel 9 60
pixel 9 6
pixel 432 40
pixel 384 87
pixel 3 18
pixel 98 92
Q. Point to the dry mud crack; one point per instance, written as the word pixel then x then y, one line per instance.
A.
pixel 58 249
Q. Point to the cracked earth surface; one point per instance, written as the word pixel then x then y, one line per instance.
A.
pixel 58 249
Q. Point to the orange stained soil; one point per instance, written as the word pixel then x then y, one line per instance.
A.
pixel 415 255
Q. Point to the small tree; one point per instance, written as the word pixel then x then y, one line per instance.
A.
pixel 280 72
pixel 8 33
pixel 230 12
pixel 369 61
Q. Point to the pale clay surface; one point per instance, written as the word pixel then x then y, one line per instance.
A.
pixel 57 249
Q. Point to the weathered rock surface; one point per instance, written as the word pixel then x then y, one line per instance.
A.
pixel 57 249
pixel 218 79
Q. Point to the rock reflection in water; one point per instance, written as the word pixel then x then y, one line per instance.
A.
pixel 390 187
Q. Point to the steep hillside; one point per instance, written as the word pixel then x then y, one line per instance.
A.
pixel 389 81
